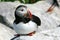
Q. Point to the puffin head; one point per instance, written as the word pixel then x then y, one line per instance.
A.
pixel 23 11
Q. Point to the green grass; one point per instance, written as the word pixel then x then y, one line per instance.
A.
pixel 22 1
pixel 6 0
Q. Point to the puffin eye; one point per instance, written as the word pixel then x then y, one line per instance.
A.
pixel 22 9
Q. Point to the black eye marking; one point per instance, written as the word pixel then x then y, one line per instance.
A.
pixel 22 9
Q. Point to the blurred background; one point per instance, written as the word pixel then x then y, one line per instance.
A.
pixel 22 1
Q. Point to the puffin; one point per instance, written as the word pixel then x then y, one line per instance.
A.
pixel 54 4
pixel 25 23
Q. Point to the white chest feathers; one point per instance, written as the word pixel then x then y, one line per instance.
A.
pixel 23 28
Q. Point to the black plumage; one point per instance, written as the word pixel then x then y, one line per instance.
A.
pixel 20 6
pixel 36 20
pixel 55 2
pixel 19 19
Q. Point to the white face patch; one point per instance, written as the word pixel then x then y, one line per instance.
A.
pixel 21 11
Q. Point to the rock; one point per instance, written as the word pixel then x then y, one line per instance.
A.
pixel 49 22
pixel 39 9
pixel 6 33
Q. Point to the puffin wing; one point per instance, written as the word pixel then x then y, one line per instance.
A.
pixel 36 20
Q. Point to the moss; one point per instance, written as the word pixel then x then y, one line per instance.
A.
pixel 25 1
pixel 7 0
pixel 29 1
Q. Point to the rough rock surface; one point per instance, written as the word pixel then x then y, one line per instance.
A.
pixel 48 30
pixel 6 33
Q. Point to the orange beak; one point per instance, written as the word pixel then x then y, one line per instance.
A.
pixel 28 14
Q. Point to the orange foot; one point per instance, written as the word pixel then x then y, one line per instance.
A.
pixel 31 34
pixel 50 10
